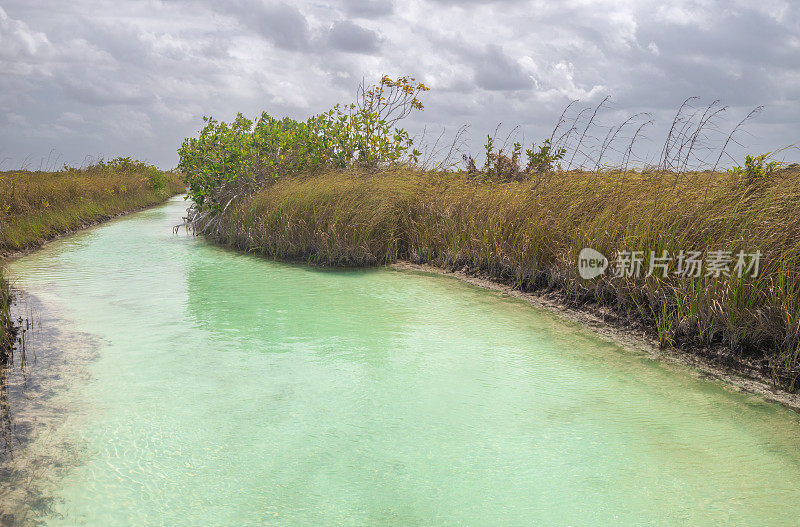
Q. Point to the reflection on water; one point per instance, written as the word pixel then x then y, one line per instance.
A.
pixel 229 389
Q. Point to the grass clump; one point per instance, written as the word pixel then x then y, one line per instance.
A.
pixel 340 217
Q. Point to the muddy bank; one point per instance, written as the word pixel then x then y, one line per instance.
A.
pixel 709 362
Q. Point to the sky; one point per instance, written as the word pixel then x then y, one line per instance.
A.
pixel 86 79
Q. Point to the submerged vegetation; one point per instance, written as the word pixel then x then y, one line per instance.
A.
pixel 37 206
pixel 339 190
pixel 6 326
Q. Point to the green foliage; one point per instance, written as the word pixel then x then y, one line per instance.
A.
pixel 156 178
pixel 544 159
pixel 501 166
pixel 230 159
pixel 223 152
pixel 123 165
pixel 755 169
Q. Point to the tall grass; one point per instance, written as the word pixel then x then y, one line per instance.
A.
pixel 529 233
pixel 36 206
pixel 345 218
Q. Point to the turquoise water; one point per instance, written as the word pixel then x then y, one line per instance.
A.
pixel 228 389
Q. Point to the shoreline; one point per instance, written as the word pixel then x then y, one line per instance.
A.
pixel 14 255
pixel 736 375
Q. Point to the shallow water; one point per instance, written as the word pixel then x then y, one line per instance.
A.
pixel 227 389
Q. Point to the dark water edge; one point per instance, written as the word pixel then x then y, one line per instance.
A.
pixel 47 359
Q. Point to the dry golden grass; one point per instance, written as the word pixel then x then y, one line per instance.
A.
pixel 340 218
pixel 35 206
pixel 530 233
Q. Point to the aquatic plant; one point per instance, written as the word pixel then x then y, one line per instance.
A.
pixel 6 326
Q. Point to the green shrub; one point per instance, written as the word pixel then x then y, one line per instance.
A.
pixel 157 179
pixel 755 169
pixel 507 168
pixel 232 159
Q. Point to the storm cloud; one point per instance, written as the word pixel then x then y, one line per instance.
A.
pixel 102 77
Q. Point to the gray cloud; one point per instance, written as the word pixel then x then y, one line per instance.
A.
pixel 135 77
pixel 19 43
pixel 494 70
pixel 368 8
pixel 350 37
pixel 282 24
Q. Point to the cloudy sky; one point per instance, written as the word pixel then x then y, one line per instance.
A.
pixel 107 78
